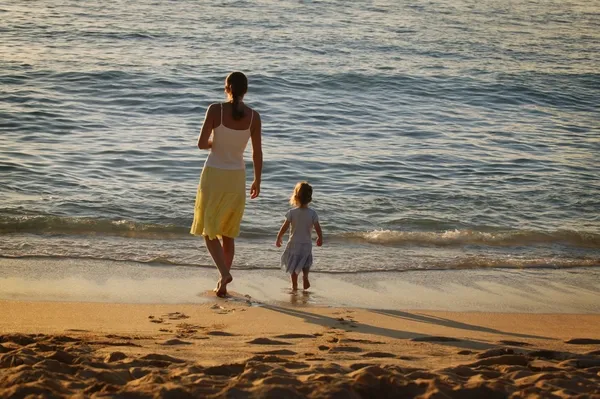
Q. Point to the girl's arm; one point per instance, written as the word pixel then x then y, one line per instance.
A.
pixel 319 234
pixel 282 231
pixel 204 141
pixel 257 155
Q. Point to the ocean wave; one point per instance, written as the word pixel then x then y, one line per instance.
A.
pixel 57 225
pixel 472 237
pixel 48 224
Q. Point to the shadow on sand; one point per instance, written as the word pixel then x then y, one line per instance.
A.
pixel 330 322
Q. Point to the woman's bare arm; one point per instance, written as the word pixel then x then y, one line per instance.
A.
pixel 204 141
pixel 257 155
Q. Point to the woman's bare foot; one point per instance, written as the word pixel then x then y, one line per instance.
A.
pixel 222 285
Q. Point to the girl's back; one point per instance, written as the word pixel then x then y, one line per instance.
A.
pixel 302 220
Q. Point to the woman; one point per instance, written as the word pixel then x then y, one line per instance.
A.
pixel 221 196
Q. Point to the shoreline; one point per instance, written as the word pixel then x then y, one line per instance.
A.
pixel 158 263
pixel 575 290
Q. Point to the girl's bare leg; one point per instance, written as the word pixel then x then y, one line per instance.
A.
pixel 305 279
pixel 294 277
pixel 216 251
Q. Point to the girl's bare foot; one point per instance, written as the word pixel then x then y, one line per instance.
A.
pixel 222 284
pixel 294 278
pixel 306 283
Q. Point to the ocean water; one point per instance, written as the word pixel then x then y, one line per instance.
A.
pixel 437 134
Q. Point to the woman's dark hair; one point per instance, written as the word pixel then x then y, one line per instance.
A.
pixel 236 85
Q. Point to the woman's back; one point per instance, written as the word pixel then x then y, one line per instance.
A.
pixel 230 139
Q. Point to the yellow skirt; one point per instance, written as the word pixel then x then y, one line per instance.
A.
pixel 220 203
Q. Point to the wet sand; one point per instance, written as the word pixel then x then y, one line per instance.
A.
pixel 575 290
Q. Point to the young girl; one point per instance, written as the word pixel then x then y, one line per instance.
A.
pixel 298 251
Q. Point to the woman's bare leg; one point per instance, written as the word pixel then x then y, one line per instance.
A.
pixel 216 251
pixel 294 277
pixel 228 251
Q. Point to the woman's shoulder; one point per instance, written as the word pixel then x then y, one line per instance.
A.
pixel 254 113
pixel 214 108
pixel 253 110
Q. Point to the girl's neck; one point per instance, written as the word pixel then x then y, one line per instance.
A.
pixel 303 206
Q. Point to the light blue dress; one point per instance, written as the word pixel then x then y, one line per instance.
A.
pixel 298 251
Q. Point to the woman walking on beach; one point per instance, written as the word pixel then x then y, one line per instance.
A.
pixel 221 196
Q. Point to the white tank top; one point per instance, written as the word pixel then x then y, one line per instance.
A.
pixel 228 145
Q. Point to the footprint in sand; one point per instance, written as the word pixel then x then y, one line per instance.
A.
pixel 114 336
pixel 513 343
pixel 175 341
pixel 361 341
pixel 350 349
pixel 407 358
pixel 114 357
pixel 176 316
pixel 583 341
pixel 220 334
pixel 349 321
pixel 267 341
pixel 280 352
pixel 495 352
pixel 163 358
pixel 295 336
pixel 187 330
pixel 227 370
pixel 378 355
pixel 549 355
pixel 509 360
pixel 221 310
pixel 276 359
pixel 155 320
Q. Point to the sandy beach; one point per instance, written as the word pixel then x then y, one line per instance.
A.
pixel 237 348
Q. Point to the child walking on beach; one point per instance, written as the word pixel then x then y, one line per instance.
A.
pixel 297 256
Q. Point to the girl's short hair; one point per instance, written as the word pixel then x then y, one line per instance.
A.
pixel 302 194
